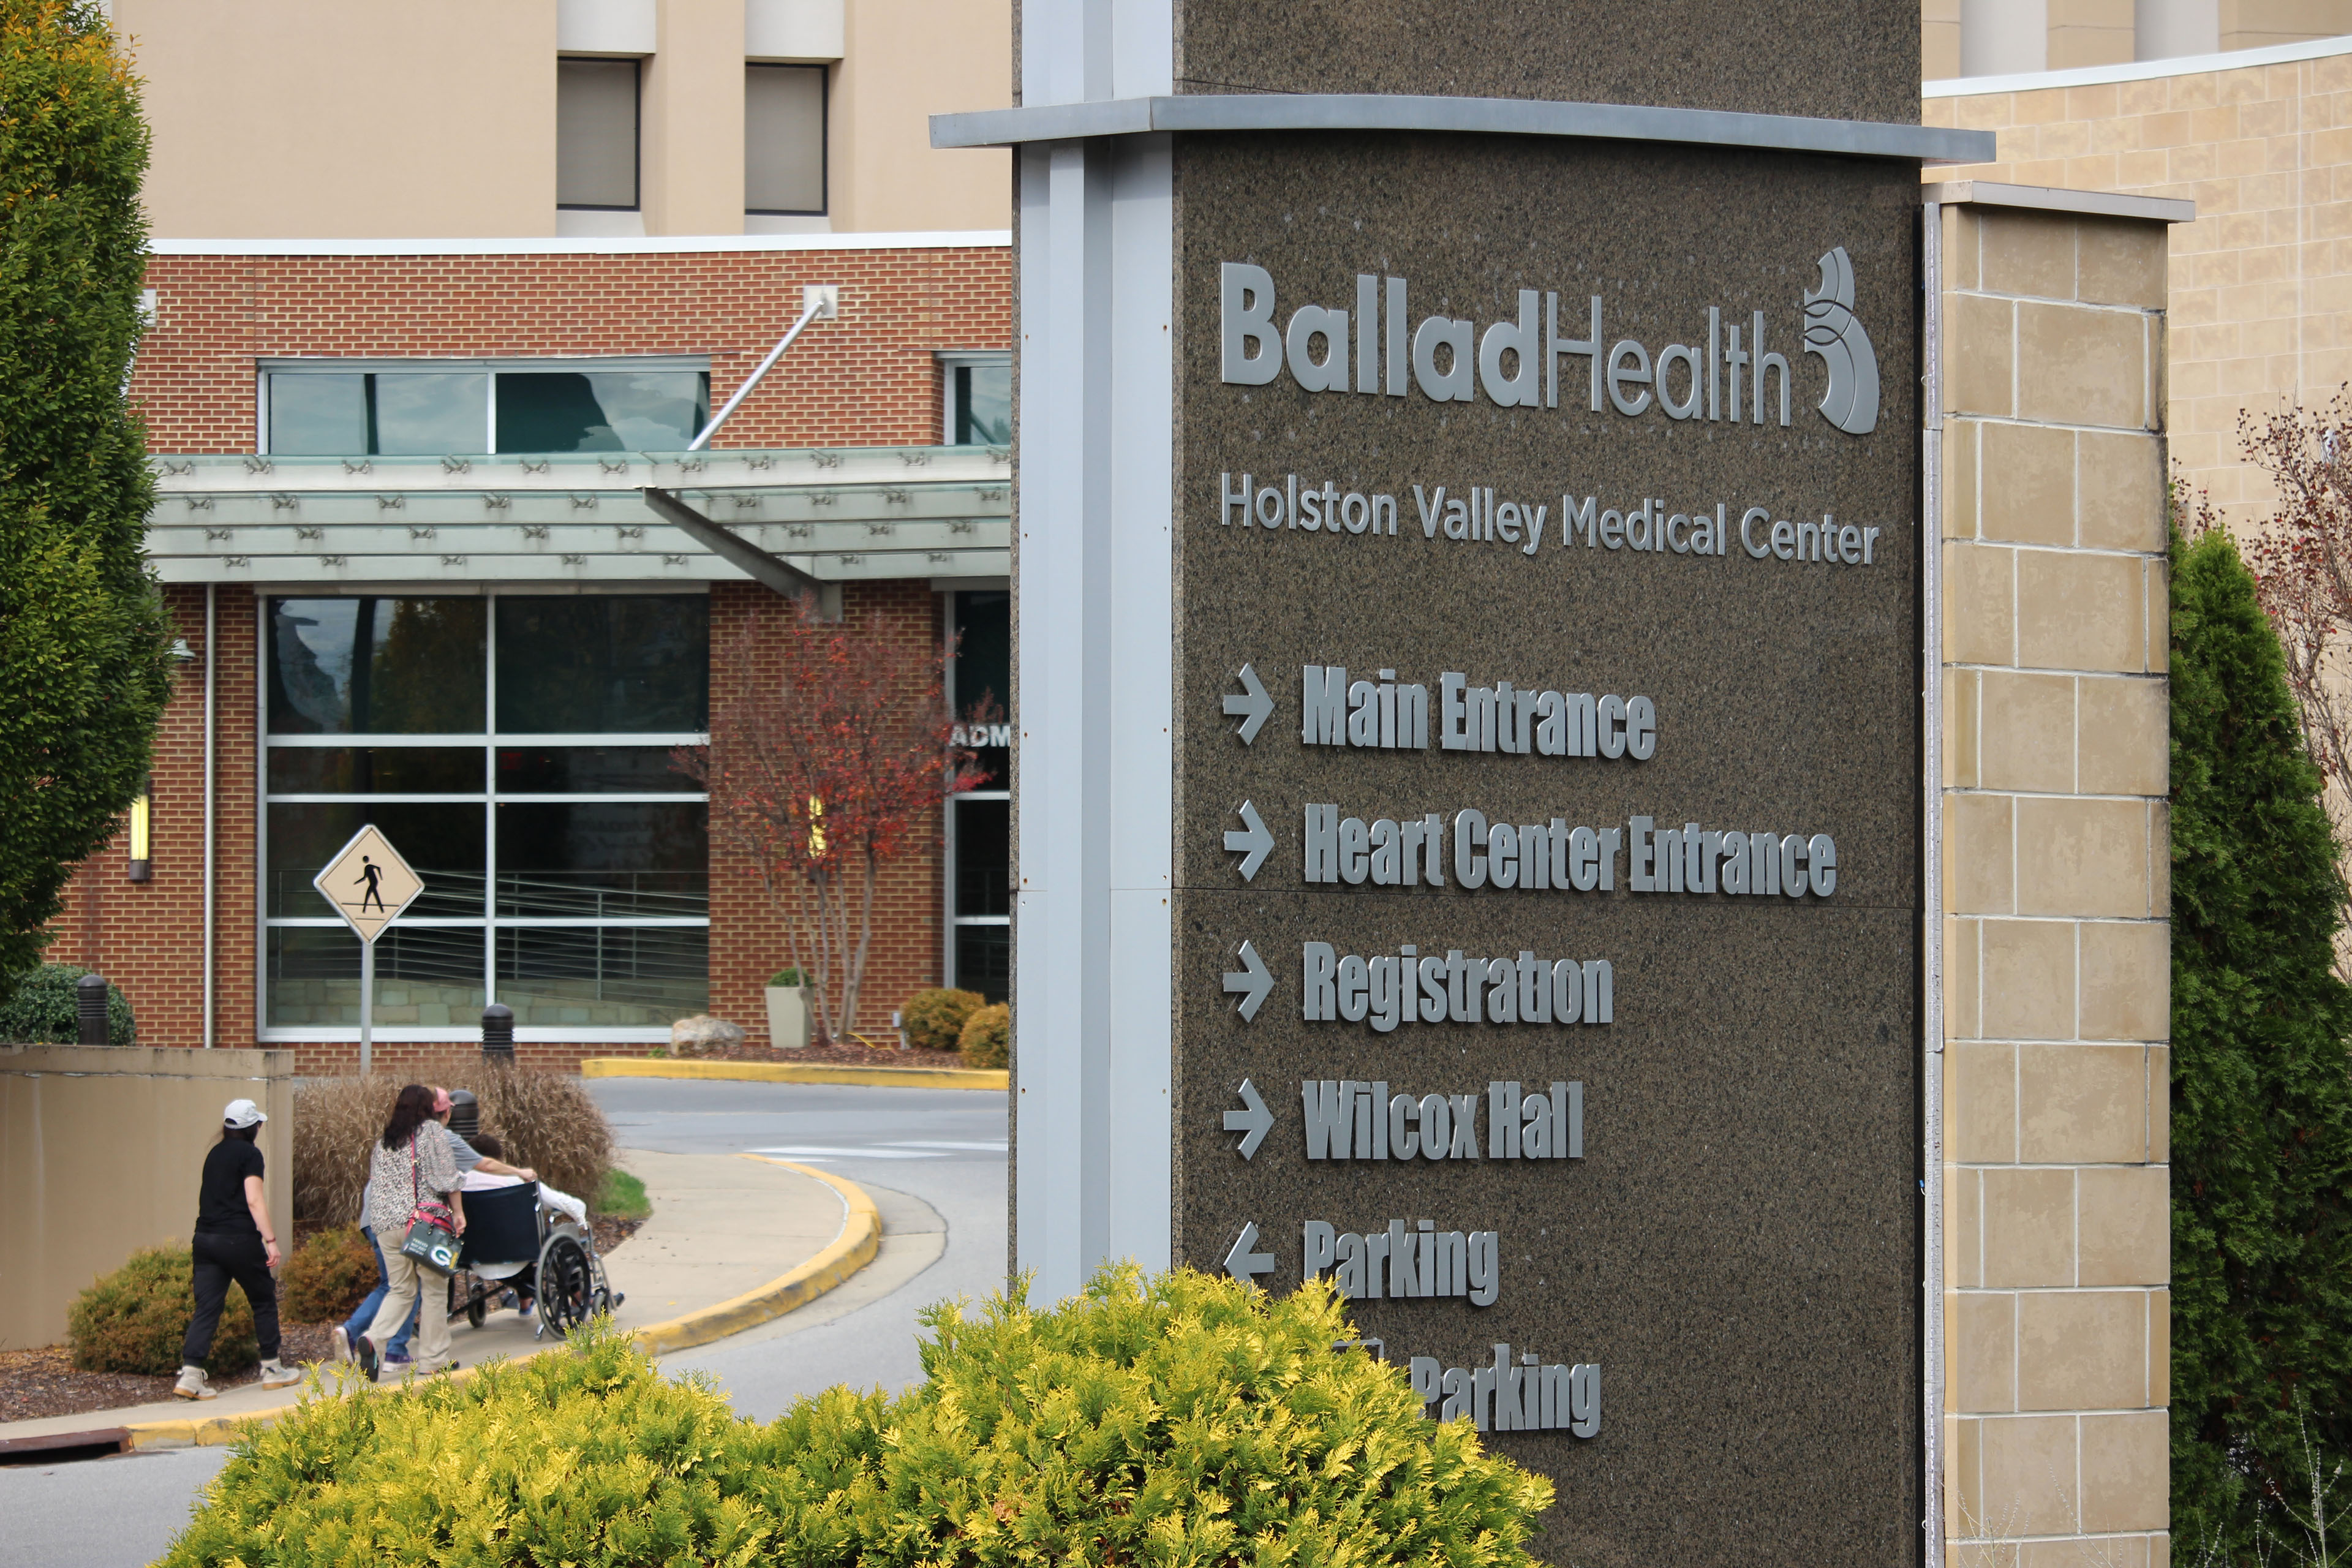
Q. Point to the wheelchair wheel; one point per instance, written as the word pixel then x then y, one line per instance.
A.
pixel 567 1285
pixel 467 1299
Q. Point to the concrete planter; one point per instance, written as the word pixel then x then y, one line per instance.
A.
pixel 787 1017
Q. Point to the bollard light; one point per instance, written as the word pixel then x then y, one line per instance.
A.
pixel 497 1033
pixel 464 1114
pixel 90 1009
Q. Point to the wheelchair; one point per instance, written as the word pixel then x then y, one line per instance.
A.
pixel 559 1266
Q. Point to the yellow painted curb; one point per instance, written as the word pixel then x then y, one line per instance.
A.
pixel 797 1072
pixel 858 1245
pixel 853 1250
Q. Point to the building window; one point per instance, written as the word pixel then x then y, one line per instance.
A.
pixel 980 823
pixel 596 135
pixel 345 408
pixel 979 398
pixel 515 748
pixel 784 139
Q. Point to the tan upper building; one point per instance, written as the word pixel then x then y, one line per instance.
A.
pixel 452 119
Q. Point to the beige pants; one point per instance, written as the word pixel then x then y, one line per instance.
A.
pixel 406 1279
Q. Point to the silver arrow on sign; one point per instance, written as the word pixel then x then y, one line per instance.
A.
pixel 1253 843
pixel 1257 1121
pixel 1255 702
pixel 1253 980
pixel 1244 1265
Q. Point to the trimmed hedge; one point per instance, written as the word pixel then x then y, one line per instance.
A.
pixel 934 1019
pixel 1186 1419
pixel 43 1009
pixel 136 1319
pixel 987 1040
pixel 2262 1107
pixel 328 1277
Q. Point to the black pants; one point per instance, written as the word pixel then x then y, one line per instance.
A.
pixel 220 1259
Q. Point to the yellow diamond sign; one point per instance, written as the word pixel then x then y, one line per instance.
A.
pixel 368 883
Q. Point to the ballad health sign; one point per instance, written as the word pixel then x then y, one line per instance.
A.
pixel 1470 799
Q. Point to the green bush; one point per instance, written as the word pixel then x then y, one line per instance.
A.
pixel 987 1039
pixel 786 978
pixel 42 1007
pixel 328 1277
pixel 2261 1109
pixel 934 1019
pixel 136 1319
pixel 1189 1419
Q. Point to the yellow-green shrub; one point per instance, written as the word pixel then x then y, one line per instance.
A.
pixel 934 1019
pixel 135 1318
pixel 987 1039
pixel 328 1277
pixel 1187 1420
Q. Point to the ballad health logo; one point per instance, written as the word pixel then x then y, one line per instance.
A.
pixel 1732 376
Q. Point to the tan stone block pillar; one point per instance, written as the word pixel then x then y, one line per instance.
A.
pixel 2048 472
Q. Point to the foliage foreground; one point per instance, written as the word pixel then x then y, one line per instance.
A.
pixel 1182 1419
pixel 2261 1106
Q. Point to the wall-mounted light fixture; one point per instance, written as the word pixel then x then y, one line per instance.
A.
pixel 141 870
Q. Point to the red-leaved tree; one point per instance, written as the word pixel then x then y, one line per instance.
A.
pixel 833 748
pixel 2302 562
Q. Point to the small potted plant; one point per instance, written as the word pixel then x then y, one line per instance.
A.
pixel 788 1018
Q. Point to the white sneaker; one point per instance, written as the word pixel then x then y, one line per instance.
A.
pixel 192 1386
pixel 277 1374
pixel 343 1347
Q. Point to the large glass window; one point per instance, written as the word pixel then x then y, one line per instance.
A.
pixel 784 139
pixel 980 823
pixel 515 748
pixel 596 134
pixel 434 408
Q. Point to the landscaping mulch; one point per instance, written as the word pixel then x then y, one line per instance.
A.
pixel 45 1381
pixel 837 1055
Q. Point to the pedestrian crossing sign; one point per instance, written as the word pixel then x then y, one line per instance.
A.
pixel 368 883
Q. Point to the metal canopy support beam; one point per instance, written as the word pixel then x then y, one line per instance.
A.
pixel 736 550
pixel 1477 116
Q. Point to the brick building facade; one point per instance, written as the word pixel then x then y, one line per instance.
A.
pixel 917 317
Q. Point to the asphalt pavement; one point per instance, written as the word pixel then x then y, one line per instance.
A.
pixel 934 1161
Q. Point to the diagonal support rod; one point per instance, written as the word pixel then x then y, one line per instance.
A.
pixel 820 304
pixel 734 549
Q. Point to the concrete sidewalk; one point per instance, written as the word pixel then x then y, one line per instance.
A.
pixel 723 1226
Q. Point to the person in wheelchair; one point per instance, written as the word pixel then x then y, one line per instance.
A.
pixel 530 1239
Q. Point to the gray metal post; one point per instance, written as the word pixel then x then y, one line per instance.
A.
pixel 90 1009
pixel 367 1006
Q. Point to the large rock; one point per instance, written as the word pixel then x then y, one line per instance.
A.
pixel 703 1034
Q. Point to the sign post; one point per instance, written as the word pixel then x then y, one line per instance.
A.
pixel 370 886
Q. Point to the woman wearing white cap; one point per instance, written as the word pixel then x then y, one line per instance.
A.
pixel 233 1242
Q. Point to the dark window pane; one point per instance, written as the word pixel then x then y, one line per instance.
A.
pixel 604 859
pixel 442 843
pixel 985 961
pixel 596 134
pixel 612 977
pixel 426 415
pixel 593 665
pixel 983 858
pixel 355 665
pixel 318 416
pixel 376 770
pixel 983 669
pixel 589 770
pixel 426 977
pixel 983 405
pixel 784 139
pixel 600 411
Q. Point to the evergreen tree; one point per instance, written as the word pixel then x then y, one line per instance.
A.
pixel 2261 1106
pixel 83 667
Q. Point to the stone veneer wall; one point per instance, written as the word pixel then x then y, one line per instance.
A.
pixel 2056 1252
pixel 2261 297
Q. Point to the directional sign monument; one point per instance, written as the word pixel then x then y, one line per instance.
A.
pixel 370 886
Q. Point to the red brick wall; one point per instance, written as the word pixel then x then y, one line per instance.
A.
pixel 147 936
pixel 868 379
